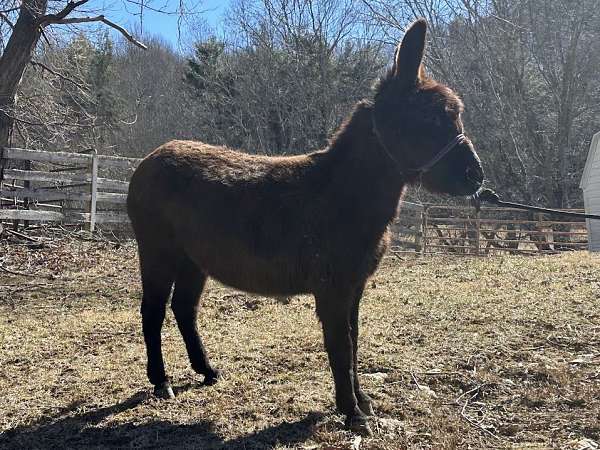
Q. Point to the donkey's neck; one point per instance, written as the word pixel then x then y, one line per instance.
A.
pixel 363 169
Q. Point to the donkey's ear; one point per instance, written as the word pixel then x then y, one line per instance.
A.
pixel 409 54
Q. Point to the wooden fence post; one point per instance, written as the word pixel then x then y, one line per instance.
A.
pixel 2 160
pixel 424 230
pixel 543 238
pixel 27 184
pixel 16 206
pixel 2 163
pixel 477 232
pixel 419 233
pixel 94 191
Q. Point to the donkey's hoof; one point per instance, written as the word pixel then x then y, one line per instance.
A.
pixel 359 425
pixel 164 391
pixel 212 377
pixel 366 406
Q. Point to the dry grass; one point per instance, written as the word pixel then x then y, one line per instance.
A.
pixel 457 353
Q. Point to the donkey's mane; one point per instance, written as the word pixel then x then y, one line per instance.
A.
pixel 352 124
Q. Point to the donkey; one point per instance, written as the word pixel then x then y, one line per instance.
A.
pixel 279 226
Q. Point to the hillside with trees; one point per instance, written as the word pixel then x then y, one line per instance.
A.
pixel 279 76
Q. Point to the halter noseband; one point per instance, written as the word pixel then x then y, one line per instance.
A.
pixel 427 166
pixel 459 139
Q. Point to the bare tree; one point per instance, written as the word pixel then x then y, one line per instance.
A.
pixel 24 22
pixel 287 75
pixel 156 105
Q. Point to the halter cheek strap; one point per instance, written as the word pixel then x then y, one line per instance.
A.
pixel 459 139
pixel 428 165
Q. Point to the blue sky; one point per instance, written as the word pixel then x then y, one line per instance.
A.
pixel 164 25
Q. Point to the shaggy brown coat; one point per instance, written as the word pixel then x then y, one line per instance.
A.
pixel 315 223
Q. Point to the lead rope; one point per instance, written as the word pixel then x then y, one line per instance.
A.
pixel 489 196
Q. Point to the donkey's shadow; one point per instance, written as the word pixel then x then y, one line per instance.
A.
pixel 67 430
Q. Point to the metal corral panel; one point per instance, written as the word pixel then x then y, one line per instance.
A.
pixel 590 183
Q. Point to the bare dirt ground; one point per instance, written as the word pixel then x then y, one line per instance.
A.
pixel 457 353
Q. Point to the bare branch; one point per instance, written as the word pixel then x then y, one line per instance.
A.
pixel 100 18
pixel 43 33
pixel 53 18
pixel 145 6
pixel 5 18
pixel 59 75
pixel 7 10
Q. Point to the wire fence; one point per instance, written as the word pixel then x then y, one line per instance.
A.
pixel 439 229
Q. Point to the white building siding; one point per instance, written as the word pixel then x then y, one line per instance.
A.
pixel 590 183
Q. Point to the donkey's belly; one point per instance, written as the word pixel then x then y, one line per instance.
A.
pixel 269 281
pixel 260 283
pixel 252 273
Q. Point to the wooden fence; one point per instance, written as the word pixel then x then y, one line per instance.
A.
pixel 92 189
pixel 65 187
pixel 437 229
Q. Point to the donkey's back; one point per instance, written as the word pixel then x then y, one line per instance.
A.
pixel 242 219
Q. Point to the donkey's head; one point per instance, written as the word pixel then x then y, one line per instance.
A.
pixel 418 123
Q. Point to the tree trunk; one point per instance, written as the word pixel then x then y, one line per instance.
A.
pixel 17 54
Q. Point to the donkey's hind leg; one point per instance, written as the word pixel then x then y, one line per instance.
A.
pixel 189 283
pixel 157 280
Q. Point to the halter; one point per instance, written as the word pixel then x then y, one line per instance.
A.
pixel 427 166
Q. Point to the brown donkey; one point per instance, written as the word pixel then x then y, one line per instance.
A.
pixel 315 223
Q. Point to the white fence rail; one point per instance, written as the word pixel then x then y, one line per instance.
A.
pixel 56 190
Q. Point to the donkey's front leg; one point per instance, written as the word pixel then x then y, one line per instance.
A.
pixel 334 314
pixel 364 401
